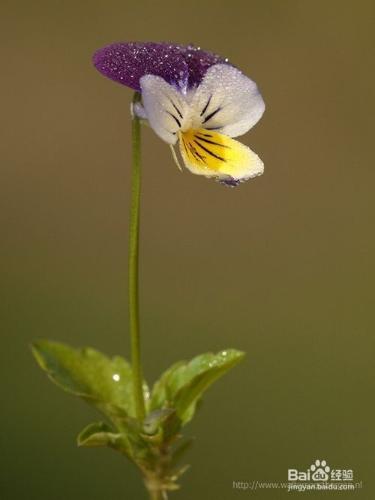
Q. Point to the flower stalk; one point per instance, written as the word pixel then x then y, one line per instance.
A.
pixel 134 327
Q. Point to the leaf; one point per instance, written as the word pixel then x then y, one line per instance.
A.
pixel 96 434
pixel 183 384
pixel 101 434
pixel 160 392
pixel 103 382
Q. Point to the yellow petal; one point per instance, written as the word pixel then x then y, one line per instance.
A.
pixel 206 152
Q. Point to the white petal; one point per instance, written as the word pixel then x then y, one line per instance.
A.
pixel 227 101
pixel 164 106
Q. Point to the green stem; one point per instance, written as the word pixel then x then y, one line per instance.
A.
pixel 133 266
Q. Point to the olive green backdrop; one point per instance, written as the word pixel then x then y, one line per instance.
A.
pixel 281 267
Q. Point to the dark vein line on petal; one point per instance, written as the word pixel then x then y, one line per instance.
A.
pixel 209 152
pixel 176 108
pixel 206 106
pixel 195 153
pixel 212 142
pixel 175 118
pixel 211 115
pixel 186 149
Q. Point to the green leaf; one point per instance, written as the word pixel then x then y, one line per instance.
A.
pixel 183 384
pixel 96 434
pixel 103 382
pixel 160 393
pixel 101 434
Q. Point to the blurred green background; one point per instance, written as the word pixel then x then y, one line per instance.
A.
pixel 281 267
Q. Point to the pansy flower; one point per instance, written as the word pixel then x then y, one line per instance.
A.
pixel 192 98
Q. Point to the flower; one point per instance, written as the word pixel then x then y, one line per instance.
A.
pixel 194 98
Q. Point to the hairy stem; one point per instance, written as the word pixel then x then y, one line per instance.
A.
pixel 156 491
pixel 133 267
pixel 157 495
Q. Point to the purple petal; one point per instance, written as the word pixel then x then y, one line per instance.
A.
pixel 181 66
pixel 230 182
pixel 198 62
